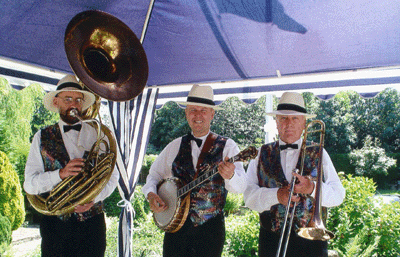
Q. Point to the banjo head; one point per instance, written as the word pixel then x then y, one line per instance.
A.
pixel 168 191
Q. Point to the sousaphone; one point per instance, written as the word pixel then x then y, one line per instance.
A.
pixel 109 61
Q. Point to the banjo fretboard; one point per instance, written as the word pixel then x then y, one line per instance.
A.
pixel 211 170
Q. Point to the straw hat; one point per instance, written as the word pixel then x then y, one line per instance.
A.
pixel 68 83
pixel 201 96
pixel 291 103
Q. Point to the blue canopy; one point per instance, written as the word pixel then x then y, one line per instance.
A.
pixel 242 48
pixel 207 41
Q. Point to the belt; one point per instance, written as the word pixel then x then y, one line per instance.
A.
pixel 97 208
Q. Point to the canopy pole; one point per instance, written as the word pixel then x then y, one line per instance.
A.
pixel 146 21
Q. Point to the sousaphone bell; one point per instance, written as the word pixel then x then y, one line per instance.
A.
pixel 106 55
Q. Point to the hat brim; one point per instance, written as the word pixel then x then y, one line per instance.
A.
pixel 290 112
pixel 48 99
pixel 215 107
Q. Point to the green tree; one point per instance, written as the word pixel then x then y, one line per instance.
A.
pixel 242 122
pixel 383 111
pixel 351 119
pixel 41 117
pixel 340 136
pixel 11 198
pixel 21 112
pixel 169 123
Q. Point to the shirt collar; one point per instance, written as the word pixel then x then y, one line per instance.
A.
pixel 203 137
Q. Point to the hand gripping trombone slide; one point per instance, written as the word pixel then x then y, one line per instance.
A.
pixel 316 229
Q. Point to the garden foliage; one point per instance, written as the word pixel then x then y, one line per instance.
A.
pixel 242 234
pixel 371 160
pixel 359 222
pixel 11 198
pixel 5 233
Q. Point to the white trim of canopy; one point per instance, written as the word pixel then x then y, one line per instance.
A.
pixel 21 75
pixel 367 82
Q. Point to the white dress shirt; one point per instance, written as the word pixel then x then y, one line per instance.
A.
pixel 262 198
pixel 162 166
pixel 38 181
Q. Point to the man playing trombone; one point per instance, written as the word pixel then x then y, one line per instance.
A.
pixel 269 189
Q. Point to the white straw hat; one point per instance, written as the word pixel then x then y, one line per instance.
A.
pixel 291 103
pixel 201 96
pixel 68 83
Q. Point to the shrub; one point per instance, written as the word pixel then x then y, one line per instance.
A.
pixel 147 239
pixel 233 203
pixel 242 234
pixel 141 206
pixel 111 204
pixel 144 171
pixel 5 233
pixel 139 203
pixel 11 198
pixel 360 226
pixel 387 226
pixel 371 160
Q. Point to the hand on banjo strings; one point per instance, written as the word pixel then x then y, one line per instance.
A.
pixel 156 203
pixel 226 169
pixel 72 168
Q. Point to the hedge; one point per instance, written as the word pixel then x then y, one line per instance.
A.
pixel 11 198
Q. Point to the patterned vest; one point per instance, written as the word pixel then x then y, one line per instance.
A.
pixel 271 175
pixel 207 199
pixel 52 148
pixel 55 156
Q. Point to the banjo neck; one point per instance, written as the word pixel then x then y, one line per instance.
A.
pixel 210 171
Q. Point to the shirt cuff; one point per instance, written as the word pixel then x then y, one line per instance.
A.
pixel 55 177
pixel 275 195
pixel 147 190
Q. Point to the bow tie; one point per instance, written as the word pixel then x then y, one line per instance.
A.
pixel 77 127
pixel 198 140
pixel 283 147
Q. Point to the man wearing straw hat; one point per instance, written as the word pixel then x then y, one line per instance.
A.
pixel 203 233
pixel 269 176
pixel 56 153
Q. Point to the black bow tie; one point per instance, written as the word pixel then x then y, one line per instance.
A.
pixel 77 127
pixel 198 140
pixel 283 147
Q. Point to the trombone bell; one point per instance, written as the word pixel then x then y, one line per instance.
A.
pixel 314 233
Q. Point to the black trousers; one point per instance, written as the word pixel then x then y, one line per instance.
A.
pixel 206 240
pixel 297 247
pixel 73 238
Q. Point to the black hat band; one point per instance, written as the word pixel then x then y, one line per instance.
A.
pixel 200 100
pixel 291 107
pixel 69 84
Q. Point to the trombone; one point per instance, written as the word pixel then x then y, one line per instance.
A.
pixel 315 229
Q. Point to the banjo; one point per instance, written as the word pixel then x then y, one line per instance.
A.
pixel 176 195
